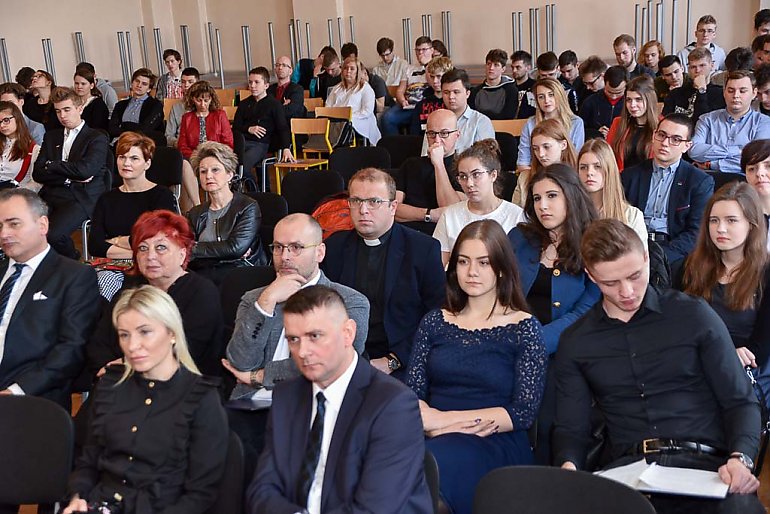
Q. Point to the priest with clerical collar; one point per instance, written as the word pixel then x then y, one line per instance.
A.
pixel 398 269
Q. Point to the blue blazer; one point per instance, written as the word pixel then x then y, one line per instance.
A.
pixel 690 191
pixel 375 460
pixel 571 295
pixel 415 282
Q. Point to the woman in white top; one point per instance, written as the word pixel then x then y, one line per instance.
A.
pixel 600 175
pixel 354 92
pixel 477 171
pixel 19 150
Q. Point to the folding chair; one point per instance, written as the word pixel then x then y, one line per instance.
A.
pixel 337 114
pixel 168 104
pixel 307 127
pixel 311 104
pixel 166 169
pixel 226 96
pixel 512 127
pixel 230 494
pixel 273 208
pixel 401 147
pixel 303 190
pixel 230 112
pixel 347 161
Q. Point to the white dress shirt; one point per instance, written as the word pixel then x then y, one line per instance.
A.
pixel 18 288
pixel 69 138
pixel 334 395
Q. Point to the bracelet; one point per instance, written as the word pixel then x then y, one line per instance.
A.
pixel 253 378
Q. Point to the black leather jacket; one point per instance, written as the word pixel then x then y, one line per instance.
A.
pixel 237 232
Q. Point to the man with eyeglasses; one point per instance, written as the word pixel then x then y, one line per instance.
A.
pixel 705 33
pixel 397 268
pixel 291 95
pixel 721 135
pixel 606 104
pixel 392 68
pixel 671 192
pixel 425 186
pixel 698 95
pixel 258 353
pixel 410 89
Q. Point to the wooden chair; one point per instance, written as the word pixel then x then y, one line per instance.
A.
pixel 306 93
pixel 311 104
pixel 512 127
pixel 168 104
pixel 306 126
pixel 230 111
pixel 339 113
pixel 226 96
pixel 243 94
pixel 392 91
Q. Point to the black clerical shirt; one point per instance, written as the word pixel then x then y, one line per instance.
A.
pixel 670 372
pixel 370 273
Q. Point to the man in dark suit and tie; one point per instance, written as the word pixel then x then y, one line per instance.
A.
pixel 397 268
pixel 48 304
pixel 72 167
pixel 343 437
pixel 670 192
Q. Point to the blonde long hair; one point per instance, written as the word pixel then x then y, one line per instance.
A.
pixel 614 202
pixel 563 112
pixel 157 305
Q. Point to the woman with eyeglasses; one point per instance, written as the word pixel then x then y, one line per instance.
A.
pixel 631 133
pixel 550 144
pixel 478 366
pixel 40 108
pixel 355 92
pixel 755 163
pixel 477 171
pixel 226 227
pixel 729 269
pixel 161 244
pixel 599 174
pixel 552 104
pixel 554 281
pixel 19 150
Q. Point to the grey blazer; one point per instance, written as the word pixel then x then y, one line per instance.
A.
pixel 255 336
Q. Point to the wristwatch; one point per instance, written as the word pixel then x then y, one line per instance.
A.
pixel 702 91
pixel 393 362
pixel 744 459
pixel 427 216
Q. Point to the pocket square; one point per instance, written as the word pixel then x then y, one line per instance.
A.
pixel 39 296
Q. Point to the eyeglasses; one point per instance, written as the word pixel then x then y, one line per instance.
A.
pixel 294 248
pixel 475 175
pixel 386 54
pixel 443 134
pixel 706 31
pixel 371 203
pixel 674 140
pixel 423 50
pixel 6 121
pixel 282 65
pixel 592 82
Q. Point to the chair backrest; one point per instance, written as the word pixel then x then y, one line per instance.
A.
pixel 166 168
pixel 401 147
pixel 273 208
pixel 392 91
pixel 230 112
pixel 432 478
pixel 512 127
pixel 304 189
pixel 509 150
pixel 342 113
pixel 230 494
pixel 226 96
pixel 544 490
pixel 348 160
pixel 310 126
pixel 168 104
pixel 721 178
pixel 37 438
pixel 311 104
pixel 234 285
pixel 243 94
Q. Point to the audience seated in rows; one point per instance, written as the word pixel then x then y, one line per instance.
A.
pixel 671 77
pixel 497 97
pixel 705 33
pixel 95 112
pixel 170 83
pixel 624 47
pixel 19 150
pixel 174 120
pixel 630 134
pixel 205 120
pixel 39 107
pixel 601 108
pixel 521 67
pixel 355 92
pixel 652 53
pixel 391 68
pixel 326 73
pixel 140 112
pixel 697 96
pixel 291 95
pixel 410 88
pixel 548 68
pixel 15 93
pixel 109 95
pixel 432 99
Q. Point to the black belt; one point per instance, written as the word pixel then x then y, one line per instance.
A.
pixel 673 446
pixel 658 237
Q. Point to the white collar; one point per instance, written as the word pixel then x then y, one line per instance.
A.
pixel 34 261
pixel 76 130
pixel 335 392
pixel 313 281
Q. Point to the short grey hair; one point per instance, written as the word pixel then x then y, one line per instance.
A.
pixel 221 152
pixel 36 204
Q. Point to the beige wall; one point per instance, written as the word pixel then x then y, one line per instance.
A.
pixel 586 26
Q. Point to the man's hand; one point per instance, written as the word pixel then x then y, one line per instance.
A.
pixel 747 358
pixel 569 465
pixel 405 104
pixel 703 165
pixel 436 153
pixel 102 371
pixel 244 377
pixel 381 364
pixel 286 101
pixel 280 290
pixel 6 392
pixel 738 477
pixel 76 505
pixel 604 130
pixel 258 131
pixel 287 156
pixel 700 82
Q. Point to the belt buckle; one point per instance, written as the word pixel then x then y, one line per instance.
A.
pixel 644 447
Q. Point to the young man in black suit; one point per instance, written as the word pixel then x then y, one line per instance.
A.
pixel 671 192
pixel 72 167
pixel 397 268
pixel 48 304
pixel 140 112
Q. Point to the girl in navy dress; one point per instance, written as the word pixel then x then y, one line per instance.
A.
pixel 478 366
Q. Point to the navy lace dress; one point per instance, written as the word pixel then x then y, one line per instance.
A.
pixel 457 369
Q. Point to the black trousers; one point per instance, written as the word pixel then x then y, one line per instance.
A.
pixel 65 217
pixel 675 504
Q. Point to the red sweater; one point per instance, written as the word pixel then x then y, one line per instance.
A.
pixel 217 129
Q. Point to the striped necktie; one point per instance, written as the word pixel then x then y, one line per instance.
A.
pixel 312 451
pixel 5 291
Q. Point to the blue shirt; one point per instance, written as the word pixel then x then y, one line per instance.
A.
pixel 719 138
pixel 656 208
pixel 134 109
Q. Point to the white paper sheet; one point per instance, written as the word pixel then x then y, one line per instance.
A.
pixel 652 478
